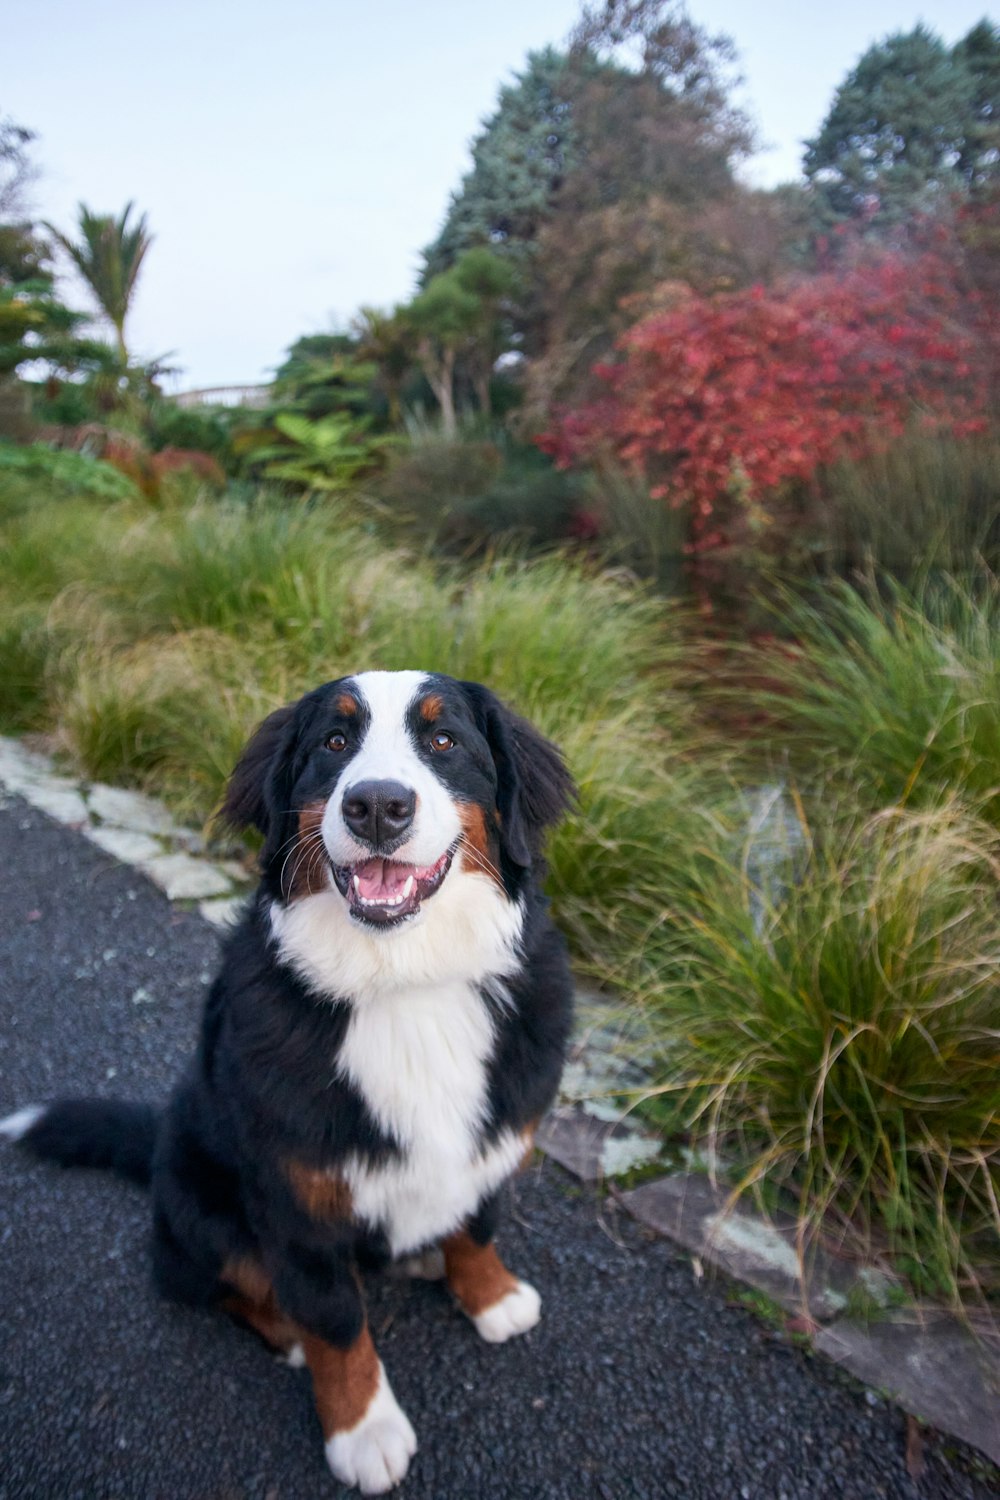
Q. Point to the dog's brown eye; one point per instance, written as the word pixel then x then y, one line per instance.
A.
pixel 337 742
pixel 442 741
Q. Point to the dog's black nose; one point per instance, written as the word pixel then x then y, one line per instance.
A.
pixel 379 812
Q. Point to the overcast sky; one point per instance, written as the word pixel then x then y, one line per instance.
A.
pixel 294 157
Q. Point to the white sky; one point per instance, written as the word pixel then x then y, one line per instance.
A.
pixel 294 157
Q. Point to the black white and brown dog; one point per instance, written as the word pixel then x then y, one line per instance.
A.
pixel 387 1027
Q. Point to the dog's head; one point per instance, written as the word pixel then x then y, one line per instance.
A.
pixel 384 786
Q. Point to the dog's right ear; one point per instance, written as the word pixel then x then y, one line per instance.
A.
pixel 248 800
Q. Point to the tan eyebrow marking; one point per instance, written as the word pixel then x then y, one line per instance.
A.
pixel 431 708
pixel 345 703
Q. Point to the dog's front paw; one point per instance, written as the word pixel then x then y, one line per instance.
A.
pixel 516 1312
pixel 375 1454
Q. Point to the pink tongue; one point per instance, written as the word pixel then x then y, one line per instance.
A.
pixel 382 878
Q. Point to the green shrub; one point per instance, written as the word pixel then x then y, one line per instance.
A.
pixel 36 474
pixel 70 405
pixel 840 1041
pixel 424 480
pixel 190 428
pixel 529 500
pixel 466 494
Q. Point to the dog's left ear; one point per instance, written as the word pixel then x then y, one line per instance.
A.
pixel 248 801
pixel 534 787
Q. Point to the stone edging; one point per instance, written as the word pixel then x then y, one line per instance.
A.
pixel 133 828
pixel 923 1359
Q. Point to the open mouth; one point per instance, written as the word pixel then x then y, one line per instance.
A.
pixel 384 892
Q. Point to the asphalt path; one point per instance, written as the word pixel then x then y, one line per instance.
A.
pixel 640 1383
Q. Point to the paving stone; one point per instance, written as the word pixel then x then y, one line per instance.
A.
pixel 574 1140
pixel 130 848
pixel 223 911
pixel 590 1148
pixel 59 799
pixel 185 878
pixel 931 1365
pixel 686 1207
pixel 132 810
pixel 600 1110
pixel 32 775
pixel 19 765
pixel 621 1153
pixel 595 1075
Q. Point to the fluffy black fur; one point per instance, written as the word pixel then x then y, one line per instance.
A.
pixel 261 1092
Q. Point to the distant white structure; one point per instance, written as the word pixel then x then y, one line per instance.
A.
pixel 254 396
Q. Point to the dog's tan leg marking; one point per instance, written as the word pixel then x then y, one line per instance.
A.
pixel 253 1302
pixel 499 1305
pixel 369 1442
pixel 323 1195
pixel 344 1380
pixel 475 1273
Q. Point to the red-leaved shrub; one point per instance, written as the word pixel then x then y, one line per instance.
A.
pixel 750 391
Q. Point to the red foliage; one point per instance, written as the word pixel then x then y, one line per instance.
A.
pixel 147 470
pixel 754 390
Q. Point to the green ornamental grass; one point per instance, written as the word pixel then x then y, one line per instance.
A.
pixel 899 690
pixel 840 1039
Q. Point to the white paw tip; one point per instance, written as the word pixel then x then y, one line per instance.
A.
pixel 515 1313
pixel 295 1357
pixel 17 1125
pixel 375 1454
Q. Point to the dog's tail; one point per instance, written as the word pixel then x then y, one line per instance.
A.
pixel 89 1133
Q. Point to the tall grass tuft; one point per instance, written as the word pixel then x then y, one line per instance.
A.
pixel 637 531
pixel 900 690
pixel 169 715
pixel 928 502
pixel 841 1041
pixel 26 646
pixel 226 568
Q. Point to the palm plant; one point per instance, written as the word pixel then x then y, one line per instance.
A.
pixel 109 257
pixel 387 339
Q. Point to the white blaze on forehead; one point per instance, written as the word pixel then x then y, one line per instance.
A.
pixel 388 753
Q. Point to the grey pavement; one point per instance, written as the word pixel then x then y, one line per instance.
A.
pixel 641 1382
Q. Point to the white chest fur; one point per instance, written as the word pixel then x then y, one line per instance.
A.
pixel 419 1058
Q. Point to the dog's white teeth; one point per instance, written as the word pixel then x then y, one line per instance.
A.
pixel 357 885
pixel 382 900
pixel 407 888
